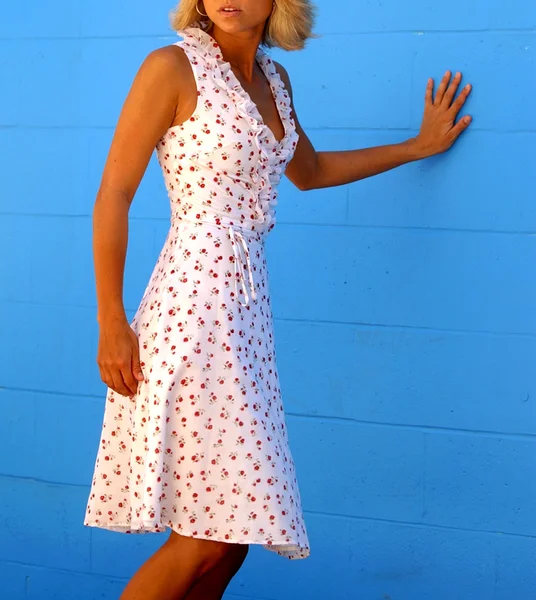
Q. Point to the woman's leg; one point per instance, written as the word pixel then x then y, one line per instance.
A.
pixel 213 583
pixel 173 570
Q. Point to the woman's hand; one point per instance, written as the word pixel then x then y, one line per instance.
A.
pixel 118 358
pixel 438 131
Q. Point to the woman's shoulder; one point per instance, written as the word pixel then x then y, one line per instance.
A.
pixel 168 70
pixel 166 60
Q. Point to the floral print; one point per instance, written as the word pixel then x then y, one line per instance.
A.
pixel 202 447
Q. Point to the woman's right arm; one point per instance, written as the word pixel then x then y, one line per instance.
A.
pixel 149 109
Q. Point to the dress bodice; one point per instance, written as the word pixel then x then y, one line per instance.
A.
pixel 223 165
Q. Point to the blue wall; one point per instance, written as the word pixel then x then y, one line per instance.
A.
pixel 405 304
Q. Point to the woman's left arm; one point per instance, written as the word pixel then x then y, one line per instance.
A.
pixel 310 169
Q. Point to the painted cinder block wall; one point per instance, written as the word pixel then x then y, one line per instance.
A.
pixel 405 304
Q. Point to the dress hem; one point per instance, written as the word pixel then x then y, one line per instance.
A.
pixel 294 551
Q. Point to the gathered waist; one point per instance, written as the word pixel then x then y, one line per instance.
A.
pixel 253 230
pixel 239 235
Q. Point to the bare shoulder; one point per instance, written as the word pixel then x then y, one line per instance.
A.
pixel 167 73
pixel 167 64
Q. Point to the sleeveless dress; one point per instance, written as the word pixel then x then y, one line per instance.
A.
pixel 202 447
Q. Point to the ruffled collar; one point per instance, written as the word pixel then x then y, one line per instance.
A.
pixel 274 155
pixel 199 30
pixel 211 52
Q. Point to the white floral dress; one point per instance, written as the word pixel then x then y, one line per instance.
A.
pixel 202 448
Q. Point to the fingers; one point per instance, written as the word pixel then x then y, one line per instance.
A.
pixel 451 90
pixel 460 100
pixel 130 381
pixel 106 376
pixel 136 366
pixel 119 384
pixel 122 380
pixel 440 93
pixel 460 126
pixel 119 361
pixel 131 375
pixel 428 100
pixel 112 376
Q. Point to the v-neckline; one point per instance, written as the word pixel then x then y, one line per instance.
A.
pixel 259 59
pixel 262 60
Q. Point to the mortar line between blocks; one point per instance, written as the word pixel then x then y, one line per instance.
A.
pixel 311 321
pixel 417 525
pixel 45 481
pixel 419 328
pixel 420 428
pixel 66 571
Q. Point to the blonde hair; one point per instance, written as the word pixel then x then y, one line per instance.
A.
pixel 288 27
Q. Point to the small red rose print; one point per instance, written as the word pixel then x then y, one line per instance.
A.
pixel 202 446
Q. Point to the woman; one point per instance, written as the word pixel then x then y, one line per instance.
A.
pixel 194 436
